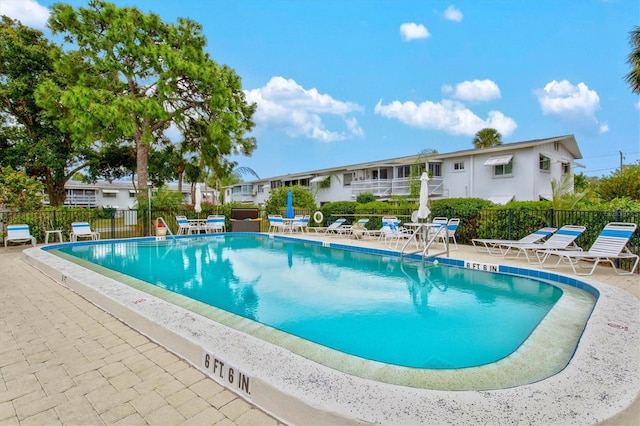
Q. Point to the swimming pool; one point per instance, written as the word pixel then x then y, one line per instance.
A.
pixel 301 383
pixel 379 308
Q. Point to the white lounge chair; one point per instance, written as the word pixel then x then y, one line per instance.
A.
pixel 82 230
pixel 276 223
pixel 300 224
pixel 563 239
pixel 331 228
pixel 492 246
pixel 215 223
pixel 611 245
pixel 19 233
pixel 184 227
pixel 452 227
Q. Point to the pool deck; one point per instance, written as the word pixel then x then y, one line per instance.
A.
pixel 63 360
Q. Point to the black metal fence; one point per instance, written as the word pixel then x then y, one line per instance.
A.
pixel 485 223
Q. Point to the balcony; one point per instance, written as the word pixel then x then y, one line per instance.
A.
pixel 384 188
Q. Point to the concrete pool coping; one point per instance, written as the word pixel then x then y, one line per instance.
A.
pixel 600 381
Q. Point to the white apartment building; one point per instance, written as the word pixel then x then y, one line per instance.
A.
pixel 119 195
pixel 519 171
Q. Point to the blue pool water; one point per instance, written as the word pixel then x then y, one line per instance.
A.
pixel 375 307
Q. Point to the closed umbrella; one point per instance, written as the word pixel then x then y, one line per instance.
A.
pixel 289 213
pixel 423 210
pixel 198 207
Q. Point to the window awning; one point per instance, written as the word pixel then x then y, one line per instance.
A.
pixel 133 191
pixel 266 187
pixel 110 191
pixel 500 199
pixel 547 197
pixel 498 161
pixel 319 179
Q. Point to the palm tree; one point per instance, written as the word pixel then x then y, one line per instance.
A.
pixel 487 137
pixel 633 78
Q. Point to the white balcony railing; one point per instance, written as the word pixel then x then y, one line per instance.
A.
pixel 392 187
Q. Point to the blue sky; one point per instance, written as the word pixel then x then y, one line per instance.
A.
pixel 343 82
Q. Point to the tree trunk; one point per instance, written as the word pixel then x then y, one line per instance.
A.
pixel 142 166
pixel 56 192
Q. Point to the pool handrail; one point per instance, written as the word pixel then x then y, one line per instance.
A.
pixel 161 219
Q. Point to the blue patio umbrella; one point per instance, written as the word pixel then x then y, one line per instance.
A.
pixel 290 213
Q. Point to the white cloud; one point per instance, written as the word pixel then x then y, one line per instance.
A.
pixel 28 12
pixel 576 104
pixel 476 90
pixel 638 105
pixel 604 128
pixel 449 116
pixel 453 14
pixel 564 99
pixel 411 31
pixel 283 103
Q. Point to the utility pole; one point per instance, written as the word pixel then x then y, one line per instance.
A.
pixel 621 158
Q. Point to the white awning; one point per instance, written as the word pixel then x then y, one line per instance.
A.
pixel 498 161
pixel 266 187
pixel 576 164
pixel 133 191
pixel 110 191
pixel 319 179
pixel 500 199
pixel 547 197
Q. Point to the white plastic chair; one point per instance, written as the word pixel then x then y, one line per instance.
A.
pixel 19 233
pixel 82 230
pixel 184 227
pixel 215 223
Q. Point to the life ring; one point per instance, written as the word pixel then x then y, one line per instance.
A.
pixel 318 217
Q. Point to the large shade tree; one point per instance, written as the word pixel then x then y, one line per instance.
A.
pixel 149 75
pixel 487 137
pixel 633 77
pixel 29 140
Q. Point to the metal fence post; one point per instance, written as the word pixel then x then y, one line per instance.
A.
pixel 509 223
pixel 551 217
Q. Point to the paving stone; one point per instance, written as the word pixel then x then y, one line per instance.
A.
pixel 253 417
pixel 178 398
pixel 117 413
pixel 77 412
pixel 148 403
pixel 49 418
pixel 221 398
pixel 235 408
pixel 208 416
pixel 189 376
pixel 132 420
pixel 165 415
pixel 206 388
pixel 125 380
pixel 192 407
pixel 35 403
pixel 7 411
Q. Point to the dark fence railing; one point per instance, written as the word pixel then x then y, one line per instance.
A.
pixel 501 223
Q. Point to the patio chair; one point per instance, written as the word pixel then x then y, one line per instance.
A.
pixel 492 246
pixel 184 227
pixel 331 229
pixel 82 230
pixel 563 239
pixel 610 246
pixel 215 223
pixel 348 229
pixel 19 233
pixel 452 226
pixel 392 231
pixel 300 223
pixel 276 223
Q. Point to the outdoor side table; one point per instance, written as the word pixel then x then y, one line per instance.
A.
pixel 54 232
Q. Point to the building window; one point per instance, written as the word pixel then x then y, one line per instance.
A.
pixel 545 163
pixel 457 167
pixel 566 168
pixel 109 195
pixel 556 146
pixel 435 169
pixel 503 169
pixel 404 172
pixel 347 178
pixel 276 184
